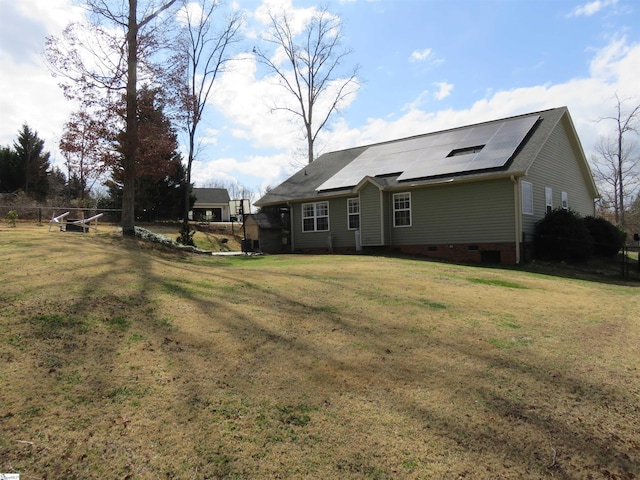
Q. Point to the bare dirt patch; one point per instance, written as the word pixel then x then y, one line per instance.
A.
pixel 120 361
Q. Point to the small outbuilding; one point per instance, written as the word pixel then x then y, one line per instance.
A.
pixel 266 233
pixel 211 205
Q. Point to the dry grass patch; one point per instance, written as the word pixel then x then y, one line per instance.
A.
pixel 123 361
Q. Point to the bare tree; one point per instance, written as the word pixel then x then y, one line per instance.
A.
pixel 236 190
pixel 315 57
pixel 203 53
pixel 616 160
pixel 84 145
pixel 618 180
pixel 117 40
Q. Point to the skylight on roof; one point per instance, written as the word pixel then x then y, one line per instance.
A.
pixel 465 151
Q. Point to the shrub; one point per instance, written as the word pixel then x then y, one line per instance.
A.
pixel 12 218
pixel 186 236
pixel 563 235
pixel 607 238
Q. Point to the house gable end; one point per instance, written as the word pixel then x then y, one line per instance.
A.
pixel 367 181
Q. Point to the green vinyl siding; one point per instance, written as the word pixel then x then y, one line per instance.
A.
pixel 371 218
pixel 557 167
pixel 463 213
pixel 340 235
pixel 459 211
pixel 302 240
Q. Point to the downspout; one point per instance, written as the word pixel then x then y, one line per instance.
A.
pixel 382 226
pixel 291 227
pixel 518 218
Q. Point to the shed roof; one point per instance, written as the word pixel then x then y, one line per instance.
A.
pixel 211 195
pixel 266 222
pixel 427 159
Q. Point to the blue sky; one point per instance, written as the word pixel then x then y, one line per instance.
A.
pixel 425 65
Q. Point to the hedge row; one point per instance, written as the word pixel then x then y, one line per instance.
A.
pixel 563 235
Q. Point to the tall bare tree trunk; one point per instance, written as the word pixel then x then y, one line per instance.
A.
pixel 131 135
pixel 315 63
pixel 187 192
pixel 310 144
pixel 620 174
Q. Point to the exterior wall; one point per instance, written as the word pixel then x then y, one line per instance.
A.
pixel 465 213
pixel 558 167
pixel 371 216
pixel 341 236
pixel 465 252
pixel 270 241
pixel 252 232
pixel 324 241
pixel 342 239
pixel 267 240
pixel 206 212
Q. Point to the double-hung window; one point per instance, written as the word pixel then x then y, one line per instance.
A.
pixel 565 201
pixel 315 217
pixel 353 213
pixel 401 209
pixel 548 195
pixel 527 198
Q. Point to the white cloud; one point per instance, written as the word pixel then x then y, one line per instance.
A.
pixel 444 90
pixel 54 14
pixel 425 57
pixel 298 17
pixel 45 109
pixel 275 139
pixel 210 136
pixel 591 8
pixel 190 12
pixel 257 107
pixel 420 56
pixel 26 75
pixel 262 169
pixel 613 71
pixel 247 102
pixel 417 102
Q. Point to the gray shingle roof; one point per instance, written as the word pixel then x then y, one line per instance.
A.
pixel 211 195
pixel 305 183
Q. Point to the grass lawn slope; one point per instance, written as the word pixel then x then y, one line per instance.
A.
pixel 125 361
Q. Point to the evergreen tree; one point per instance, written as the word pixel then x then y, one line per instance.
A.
pixel 160 179
pixel 125 38
pixel 57 185
pixel 11 176
pixel 33 163
pixel 76 187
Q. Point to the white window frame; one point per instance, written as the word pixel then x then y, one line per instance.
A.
pixel 548 195
pixel 315 215
pixel 353 210
pixel 403 209
pixel 527 198
pixel 565 201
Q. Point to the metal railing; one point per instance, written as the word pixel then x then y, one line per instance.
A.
pixel 42 214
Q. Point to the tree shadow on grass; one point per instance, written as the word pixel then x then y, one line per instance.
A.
pixel 606 271
pixel 580 448
pixel 240 392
